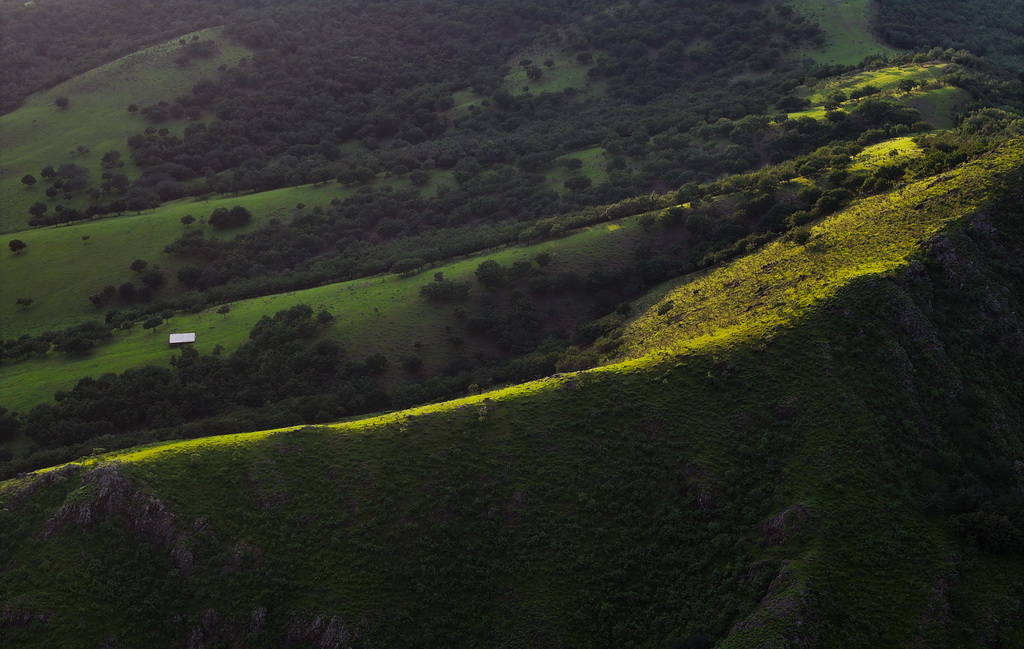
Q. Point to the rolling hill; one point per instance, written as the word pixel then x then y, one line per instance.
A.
pixel 575 324
pixel 841 475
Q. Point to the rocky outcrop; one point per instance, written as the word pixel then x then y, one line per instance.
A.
pixel 107 493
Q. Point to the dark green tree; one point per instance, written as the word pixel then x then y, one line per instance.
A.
pixel 490 274
pixel 577 183
pixel 152 323
pixel 37 209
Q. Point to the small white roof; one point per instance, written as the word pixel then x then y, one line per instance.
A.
pixel 182 338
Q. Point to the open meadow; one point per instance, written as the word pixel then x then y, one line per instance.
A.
pixel 97 119
pixel 383 314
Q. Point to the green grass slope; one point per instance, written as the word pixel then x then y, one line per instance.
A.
pixel 61 268
pixel 39 134
pixel 375 315
pixel 936 101
pixel 764 491
pixel 779 283
pixel 847 27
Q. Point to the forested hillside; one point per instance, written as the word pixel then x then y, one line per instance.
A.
pixel 771 488
pixel 649 323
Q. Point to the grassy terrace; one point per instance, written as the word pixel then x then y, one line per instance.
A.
pixel 935 102
pixel 103 249
pixel 898 150
pixel 381 314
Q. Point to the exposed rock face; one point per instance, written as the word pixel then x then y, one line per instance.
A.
pixel 787 523
pixel 107 493
pixel 322 633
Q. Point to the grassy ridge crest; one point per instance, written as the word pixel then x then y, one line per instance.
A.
pixel 778 284
pixel 754 295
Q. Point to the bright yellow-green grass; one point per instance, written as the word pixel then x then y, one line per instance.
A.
pixel 887 81
pixel 60 270
pixel 779 283
pixel 362 425
pixel 895 151
pixel 847 30
pixel 382 314
pixel 39 134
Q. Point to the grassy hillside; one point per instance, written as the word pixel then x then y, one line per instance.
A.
pixel 62 293
pixel 895 151
pixel 375 315
pixel 779 283
pixel 936 101
pixel 40 134
pixel 847 27
pixel 760 491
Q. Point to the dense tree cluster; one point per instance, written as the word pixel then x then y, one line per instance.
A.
pixel 384 75
pixel 78 340
pixel 983 27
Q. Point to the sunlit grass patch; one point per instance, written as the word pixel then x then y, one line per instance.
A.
pixel 885 79
pixel 887 82
pixel 895 151
pixel 779 283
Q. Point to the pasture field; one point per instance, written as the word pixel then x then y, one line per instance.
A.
pixel 382 314
pixel 885 79
pixel 847 28
pixel 936 102
pixel 39 134
pixel 566 73
pixel 593 160
pixel 939 106
pixel 60 270
pixel 895 151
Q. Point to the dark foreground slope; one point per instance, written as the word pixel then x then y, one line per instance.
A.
pixel 853 479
